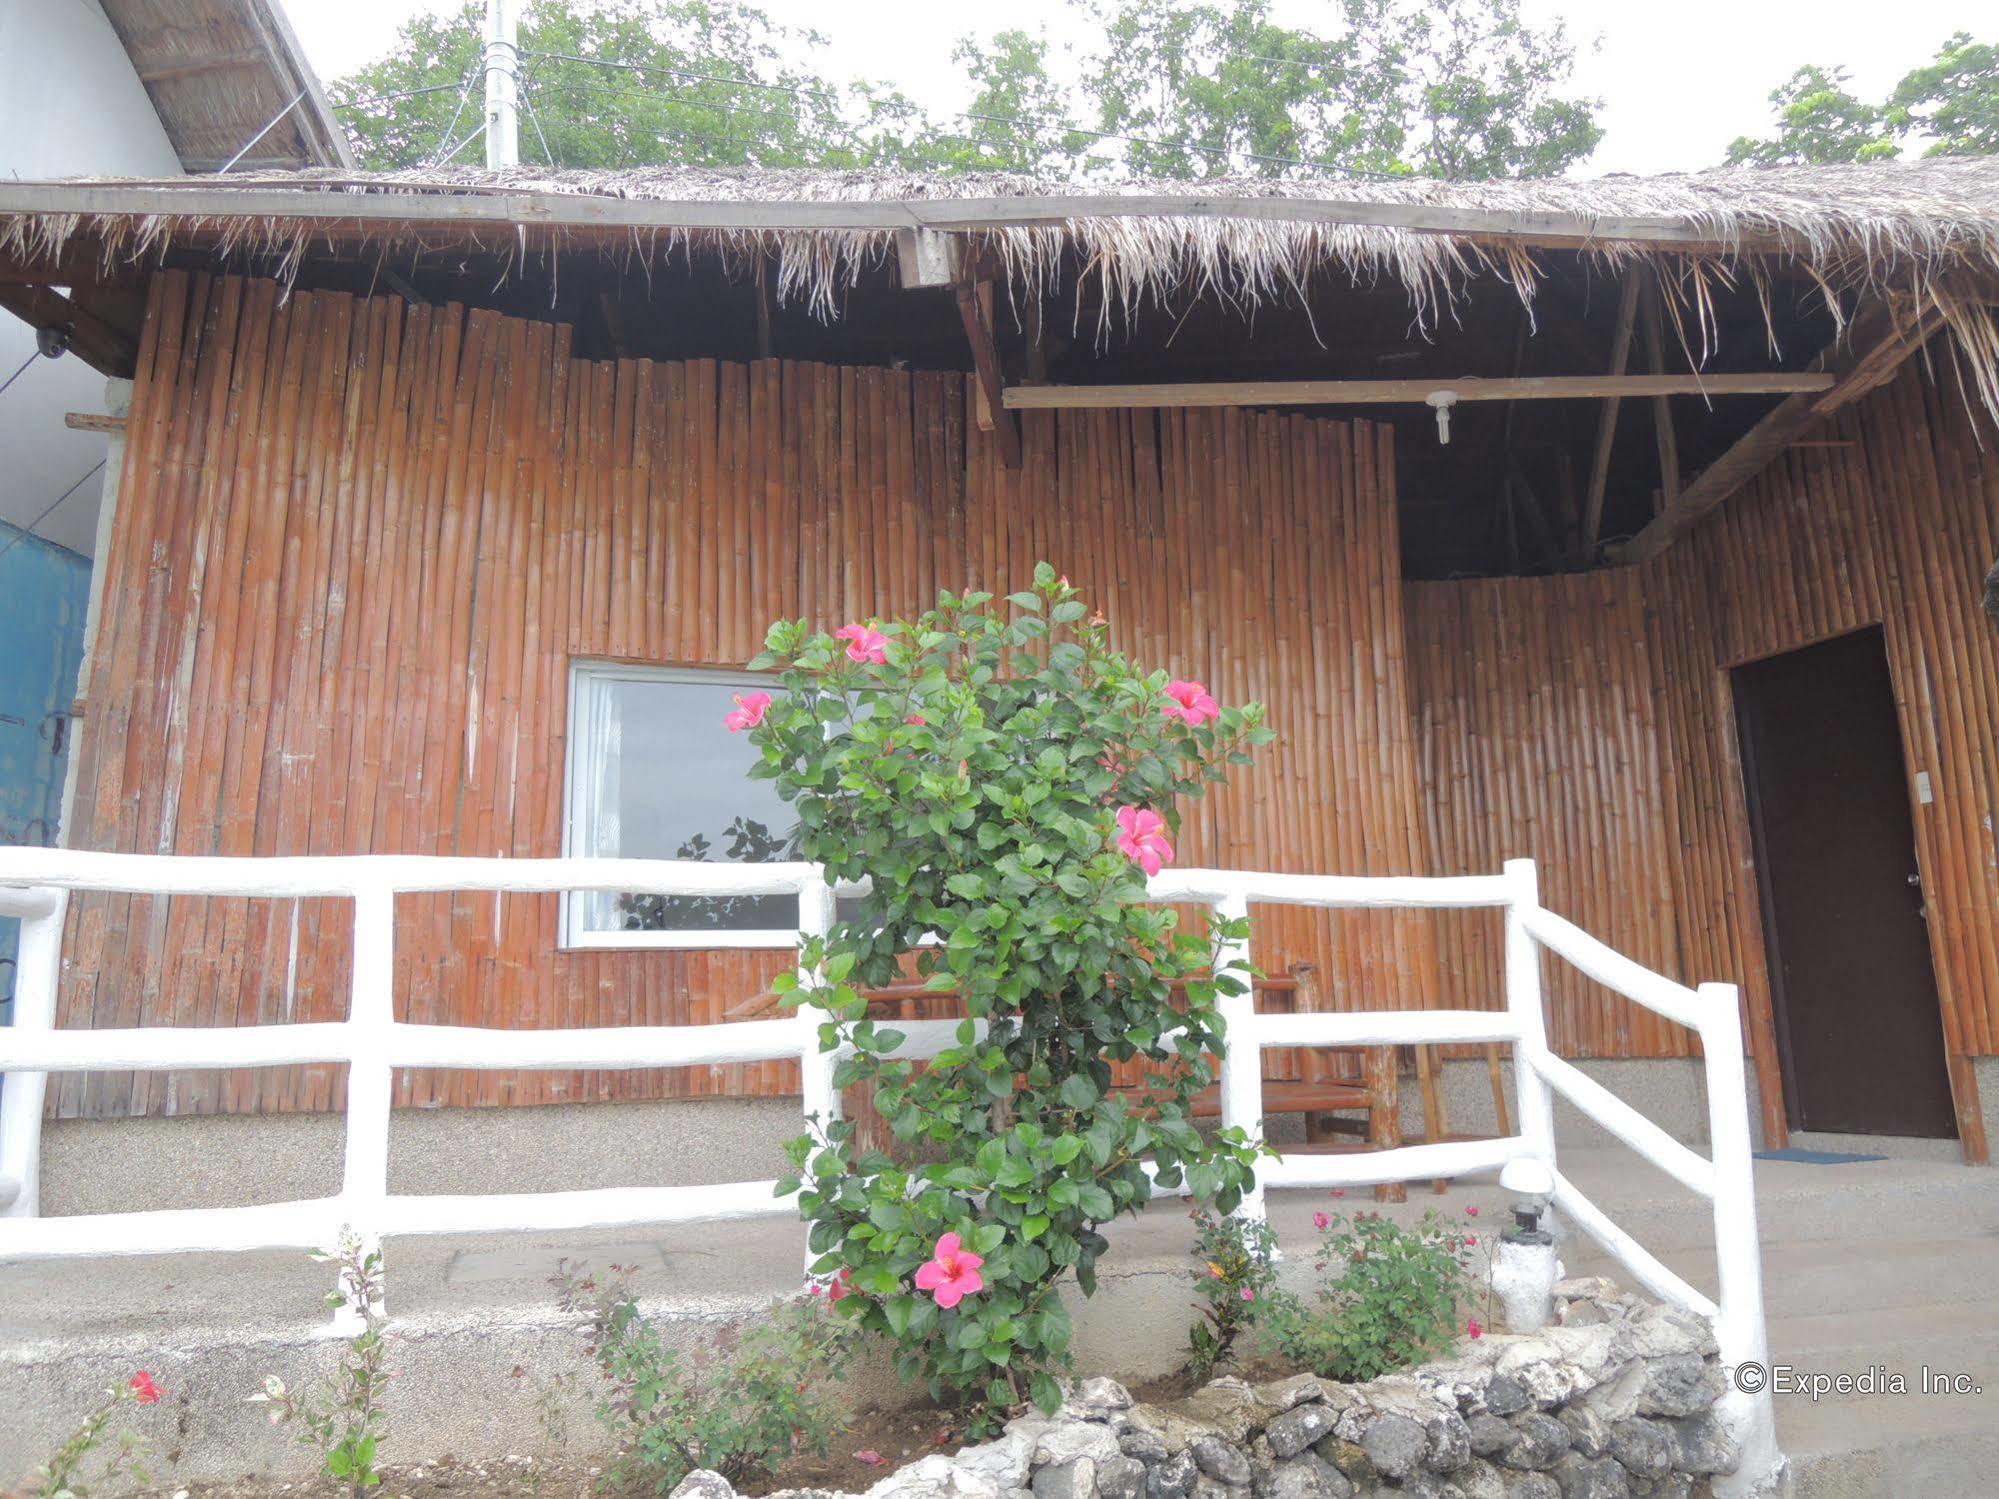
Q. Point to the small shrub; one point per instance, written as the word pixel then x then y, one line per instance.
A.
pixel 1234 1279
pixel 344 1420
pixel 1390 1298
pixel 740 1407
pixel 62 1476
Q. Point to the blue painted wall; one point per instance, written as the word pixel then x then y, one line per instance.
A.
pixel 44 593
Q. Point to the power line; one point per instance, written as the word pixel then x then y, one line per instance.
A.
pixel 21 371
pixel 407 93
pixel 29 529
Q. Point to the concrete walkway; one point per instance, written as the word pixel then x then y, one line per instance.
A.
pixel 1892 1264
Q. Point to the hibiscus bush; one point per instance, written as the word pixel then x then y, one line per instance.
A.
pixel 1007 781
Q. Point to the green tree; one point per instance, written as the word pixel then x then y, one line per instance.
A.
pixel 618 83
pixel 1954 99
pixel 1459 89
pixel 1818 120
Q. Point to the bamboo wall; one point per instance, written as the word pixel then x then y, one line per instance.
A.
pixel 359 544
pixel 1587 720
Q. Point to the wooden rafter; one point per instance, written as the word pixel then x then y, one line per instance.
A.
pixel 106 349
pixel 975 309
pixel 1606 425
pixel 1877 344
pixel 1394 392
pixel 1662 409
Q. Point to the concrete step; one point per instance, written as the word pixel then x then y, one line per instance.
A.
pixel 1909 1446
pixel 1808 1276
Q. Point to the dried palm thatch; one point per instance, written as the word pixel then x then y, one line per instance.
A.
pixel 1923 232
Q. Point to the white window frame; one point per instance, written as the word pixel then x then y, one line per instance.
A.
pixel 574 933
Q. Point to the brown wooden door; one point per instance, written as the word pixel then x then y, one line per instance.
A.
pixel 1859 1029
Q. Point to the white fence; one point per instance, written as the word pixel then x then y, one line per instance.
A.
pixel 35 885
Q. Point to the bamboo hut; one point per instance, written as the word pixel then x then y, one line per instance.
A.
pixel 423 470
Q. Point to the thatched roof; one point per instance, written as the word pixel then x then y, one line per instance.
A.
pixel 1925 230
pixel 219 72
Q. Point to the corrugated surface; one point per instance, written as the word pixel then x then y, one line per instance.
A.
pixel 343 609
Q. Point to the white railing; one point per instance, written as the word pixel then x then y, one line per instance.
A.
pixel 35 886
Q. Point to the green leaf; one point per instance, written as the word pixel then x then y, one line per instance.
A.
pixel 1045 1392
pixel 1034 1225
pixel 1078 1092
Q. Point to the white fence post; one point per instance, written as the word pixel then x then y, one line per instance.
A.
pixel 1739 1328
pixel 37 971
pixel 820 1100
pixel 1241 1082
pixel 371 1014
pixel 1533 1100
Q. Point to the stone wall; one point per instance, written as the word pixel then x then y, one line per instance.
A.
pixel 1614 1402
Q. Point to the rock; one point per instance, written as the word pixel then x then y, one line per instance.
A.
pixel 1395 1445
pixel 1658 1331
pixel 1682 1384
pixel 936 1477
pixel 1295 1430
pixel 1421 1485
pixel 1143 1443
pixel 1227 1408
pixel 1350 1459
pixel 703 1483
pixel 1057 1441
pixel 1479 1479
pixel 1450 1443
pixel 1076 1479
pixel 1096 1399
pixel 1582 1314
pixel 1586 1288
pixel 1672 1486
pixel 1488 1434
pixel 1206 1487
pixel 1589 1431
pixel 1532 1486
pixel 1171 1478
pixel 1645 1448
pixel 1003 1463
pixel 1580 1477
pixel 1221 1462
pixel 1305 1477
pixel 1700 1446
pixel 1283 1394
pixel 1120 1478
pixel 1539 1441
pixel 1506 1396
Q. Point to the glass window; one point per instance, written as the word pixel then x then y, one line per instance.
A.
pixel 653 774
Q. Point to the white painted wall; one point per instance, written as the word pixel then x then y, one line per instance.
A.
pixel 70 106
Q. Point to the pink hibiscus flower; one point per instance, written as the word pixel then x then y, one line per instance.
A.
pixel 748 712
pixel 843 1284
pixel 864 643
pixel 1320 1220
pixel 1142 838
pixel 1248 1294
pixel 1190 702
pixel 951 1274
pixel 1472 1327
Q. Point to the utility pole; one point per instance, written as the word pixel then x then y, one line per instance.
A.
pixel 503 63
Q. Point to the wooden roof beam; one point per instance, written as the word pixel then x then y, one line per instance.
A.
pixel 1414 392
pixel 975 309
pixel 1606 424
pixel 1878 342
pixel 106 349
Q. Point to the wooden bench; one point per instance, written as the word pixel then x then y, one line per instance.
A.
pixel 1318 1094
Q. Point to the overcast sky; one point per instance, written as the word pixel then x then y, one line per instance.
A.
pixel 1679 81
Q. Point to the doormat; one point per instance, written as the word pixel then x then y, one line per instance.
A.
pixel 1814 1157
